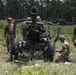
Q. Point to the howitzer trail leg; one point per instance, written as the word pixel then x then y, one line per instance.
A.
pixel 31 54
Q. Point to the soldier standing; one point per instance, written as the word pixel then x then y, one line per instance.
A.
pixel 8 33
pixel 25 28
pixel 74 35
pixel 63 55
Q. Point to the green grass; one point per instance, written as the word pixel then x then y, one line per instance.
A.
pixel 44 68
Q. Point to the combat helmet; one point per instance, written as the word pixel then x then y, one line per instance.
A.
pixel 62 37
pixel 10 19
pixel 28 18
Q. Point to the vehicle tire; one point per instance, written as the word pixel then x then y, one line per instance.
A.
pixel 14 49
pixel 51 50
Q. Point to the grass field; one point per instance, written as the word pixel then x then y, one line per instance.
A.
pixel 38 67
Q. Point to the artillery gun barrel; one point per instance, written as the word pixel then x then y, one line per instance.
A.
pixel 34 11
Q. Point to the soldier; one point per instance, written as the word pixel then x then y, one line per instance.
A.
pixel 63 55
pixel 74 35
pixel 24 30
pixel 8 33
pixel 25 27
pixel 40 26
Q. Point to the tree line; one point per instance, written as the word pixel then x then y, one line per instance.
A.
pixel 47 9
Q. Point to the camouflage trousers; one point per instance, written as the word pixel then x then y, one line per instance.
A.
pixel 63 58
pixel 8 42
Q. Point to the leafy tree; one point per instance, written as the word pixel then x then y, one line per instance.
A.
pixel 1 9
pixel 16 8
pixel 48 9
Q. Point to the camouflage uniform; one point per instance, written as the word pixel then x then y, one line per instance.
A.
pixel 64 53
pixel 24 30
pixel 8 33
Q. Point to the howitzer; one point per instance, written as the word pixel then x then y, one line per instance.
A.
pixel 36 40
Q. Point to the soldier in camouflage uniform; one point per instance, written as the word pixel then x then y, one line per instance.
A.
pixel 63 55
pixel 24 28
pixel 8 33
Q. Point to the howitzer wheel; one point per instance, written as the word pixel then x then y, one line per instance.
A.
pixel 51 50
pixel 14 47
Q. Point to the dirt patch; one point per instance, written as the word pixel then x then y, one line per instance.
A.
pixel 5 56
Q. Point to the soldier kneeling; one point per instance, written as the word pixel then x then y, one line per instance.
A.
pixel 63 55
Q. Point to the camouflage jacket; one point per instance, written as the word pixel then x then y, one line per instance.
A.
pixel 65 48
pixel 8 30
